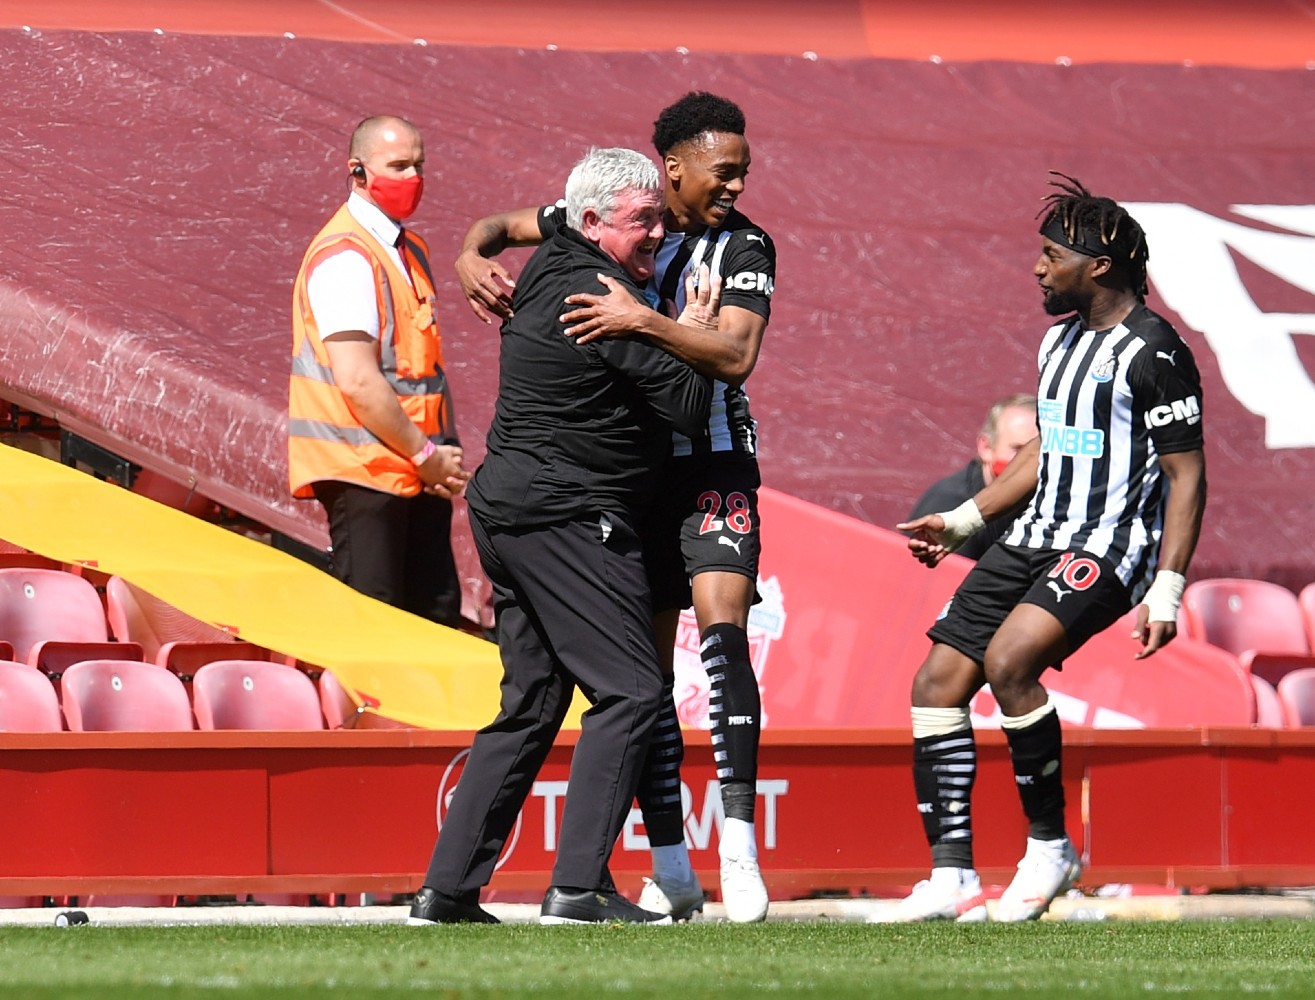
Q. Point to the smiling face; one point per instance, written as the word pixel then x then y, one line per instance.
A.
pixel 632 232
pixel 705 176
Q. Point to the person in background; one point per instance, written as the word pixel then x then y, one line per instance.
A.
pixel 1010 424
pixel 371 432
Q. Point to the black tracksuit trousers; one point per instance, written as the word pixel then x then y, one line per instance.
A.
pixel 573 609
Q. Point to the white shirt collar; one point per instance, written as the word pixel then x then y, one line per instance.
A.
pixel 378 225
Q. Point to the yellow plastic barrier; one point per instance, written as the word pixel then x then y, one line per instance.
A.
pixel 399 666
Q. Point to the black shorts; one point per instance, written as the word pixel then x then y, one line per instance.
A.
pixel 1081 590
pixel 704 520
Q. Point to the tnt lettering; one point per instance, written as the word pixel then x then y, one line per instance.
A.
pixel 700 824
pixel 1188 410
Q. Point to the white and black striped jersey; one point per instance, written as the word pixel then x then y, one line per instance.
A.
pixel 745 258
pixel 1109 404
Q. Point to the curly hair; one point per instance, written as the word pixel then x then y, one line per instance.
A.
pixel 695 113
pixel 1098 226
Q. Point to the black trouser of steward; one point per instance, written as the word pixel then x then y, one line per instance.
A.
pixel 395 549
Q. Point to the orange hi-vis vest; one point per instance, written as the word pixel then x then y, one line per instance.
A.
pixel 325 438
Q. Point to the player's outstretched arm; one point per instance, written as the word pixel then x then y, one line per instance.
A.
pixel 1157 615
pixel 934 536
pixel 485 283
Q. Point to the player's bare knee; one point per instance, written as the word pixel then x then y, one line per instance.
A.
pixel 1014 681
pixel 946 680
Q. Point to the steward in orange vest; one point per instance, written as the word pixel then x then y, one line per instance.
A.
pixel 325 438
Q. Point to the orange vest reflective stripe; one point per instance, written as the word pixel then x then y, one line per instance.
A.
pixel 325 438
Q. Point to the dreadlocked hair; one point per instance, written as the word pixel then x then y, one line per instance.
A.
pixel 1085 217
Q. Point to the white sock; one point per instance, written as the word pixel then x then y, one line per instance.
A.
pixel 738 840
pixel 671 863
pixel 952 876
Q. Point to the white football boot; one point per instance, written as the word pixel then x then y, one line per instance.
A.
pixel 1048 868
pixel 950 894
pixel 743 892
pixel 681 900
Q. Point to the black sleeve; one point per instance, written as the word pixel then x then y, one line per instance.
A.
pixel 1166 395
pixel 942 495
pixel 676 392
pixel 748 270
pixel 552 218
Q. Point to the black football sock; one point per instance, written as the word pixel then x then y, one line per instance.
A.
pixel 1037 752
pixel 944 770
pixel 735 711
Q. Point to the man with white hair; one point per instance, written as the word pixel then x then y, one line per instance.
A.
pixel 579 435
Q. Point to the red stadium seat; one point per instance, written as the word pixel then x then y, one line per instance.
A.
pixel 138 616
pixel 1240 615
pixel 1307 601
pixel 37 604
pixel 254 694
pixel 186 658
pixel 340 712
pixel 1269 707
pixel 28 703
pixel 53 656
pixel 1297 692
pixel 124 696
pixel 1272 666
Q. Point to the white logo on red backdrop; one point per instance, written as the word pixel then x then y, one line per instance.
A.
pixel 447 785
pixel 1194 270
pixel 766 625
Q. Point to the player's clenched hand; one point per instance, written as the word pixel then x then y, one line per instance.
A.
pixel 702 299
pixel 925 539
pixel 1152 635
pixel 486 284
pixel 615 314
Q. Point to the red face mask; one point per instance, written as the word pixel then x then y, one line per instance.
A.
pixel 998 467
pixel 397 197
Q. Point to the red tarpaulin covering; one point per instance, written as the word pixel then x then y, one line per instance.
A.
pixel 162 187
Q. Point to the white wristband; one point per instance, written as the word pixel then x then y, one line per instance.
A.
pixel 961 524
pixel 422 456
pixel 1165 596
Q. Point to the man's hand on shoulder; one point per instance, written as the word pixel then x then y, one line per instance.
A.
pixel 616 314
pixel 486 284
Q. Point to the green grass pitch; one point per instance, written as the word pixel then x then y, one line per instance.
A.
pixel 818 959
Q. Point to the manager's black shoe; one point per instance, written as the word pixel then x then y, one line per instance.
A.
pixel 433 907
pixel 594 906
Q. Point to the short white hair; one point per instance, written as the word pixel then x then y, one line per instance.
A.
pixel 602 176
